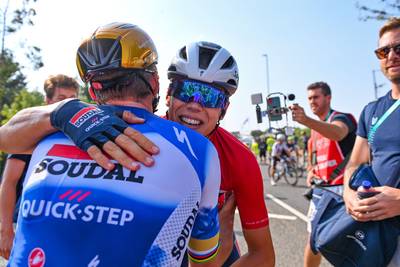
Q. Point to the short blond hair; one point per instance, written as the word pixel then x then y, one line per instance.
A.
pixel 391 24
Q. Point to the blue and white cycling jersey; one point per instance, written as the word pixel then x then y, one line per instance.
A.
pixel 75 213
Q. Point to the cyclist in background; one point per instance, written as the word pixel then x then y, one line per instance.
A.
pixel 292 146
pixel 279 149
pixel 262 147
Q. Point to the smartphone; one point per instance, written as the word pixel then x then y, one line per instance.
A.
pixel 273 108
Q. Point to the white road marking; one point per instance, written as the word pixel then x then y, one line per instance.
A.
pixel 282 217
pixel 277 216
pixel 287 207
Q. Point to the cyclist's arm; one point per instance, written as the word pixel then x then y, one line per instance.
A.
pixel 260 248
pixel 253 213
pixel 8 194
pixel 29 126
pixel 23 131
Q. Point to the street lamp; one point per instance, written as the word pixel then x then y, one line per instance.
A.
pixel 266 62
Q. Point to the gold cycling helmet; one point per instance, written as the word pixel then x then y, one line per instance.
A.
pixel 115 47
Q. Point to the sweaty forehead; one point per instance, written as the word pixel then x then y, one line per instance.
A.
pixel 390 38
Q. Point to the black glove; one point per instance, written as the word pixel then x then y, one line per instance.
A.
pixel 86 124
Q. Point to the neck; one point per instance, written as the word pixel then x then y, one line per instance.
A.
pixel 396 90
pixel 130 103
pixel 324 114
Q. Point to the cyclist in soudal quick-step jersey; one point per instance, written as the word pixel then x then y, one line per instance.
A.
pixel 75 213
pixel 202 77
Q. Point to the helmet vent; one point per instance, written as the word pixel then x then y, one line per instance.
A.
pixel 182 53
pixel 205 57
pixel 232 82
pixel 172 68
pixel 228 63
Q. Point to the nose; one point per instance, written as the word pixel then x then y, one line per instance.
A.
pixel 194 106
pixel 392 54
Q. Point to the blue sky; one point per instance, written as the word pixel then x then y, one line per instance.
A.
pixel 306 41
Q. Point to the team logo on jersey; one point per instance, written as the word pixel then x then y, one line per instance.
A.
pixel 82 169
pixel 70 208
pixel 181 242
pixel 83 115
pixel 36 258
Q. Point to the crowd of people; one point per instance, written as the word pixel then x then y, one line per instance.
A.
pixel 124 187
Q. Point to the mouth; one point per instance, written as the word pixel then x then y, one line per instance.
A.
pixel 190 121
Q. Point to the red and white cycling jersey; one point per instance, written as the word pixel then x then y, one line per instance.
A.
pixel 241 174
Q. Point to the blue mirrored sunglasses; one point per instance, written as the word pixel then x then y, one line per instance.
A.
pixel 205 94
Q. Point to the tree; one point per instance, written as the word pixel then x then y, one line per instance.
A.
pixel 256 133
pixel 383 10
pixel 21 16
pixel 12 81
pixel 23 99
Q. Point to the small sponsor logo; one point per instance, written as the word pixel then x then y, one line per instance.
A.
pixel 374 120
pixel 83 115
pixel 359 234
pixel 36 258
pixel 62 210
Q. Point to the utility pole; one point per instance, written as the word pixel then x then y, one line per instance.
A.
pixel 376 86
pixel 267 69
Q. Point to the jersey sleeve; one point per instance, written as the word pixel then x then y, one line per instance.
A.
pixel 249 195
pixel 362 129
pixel 345 118
pixel 204 240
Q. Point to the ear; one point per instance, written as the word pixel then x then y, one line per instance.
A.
pixel 223 111
pixel 329 98
pixel 168 100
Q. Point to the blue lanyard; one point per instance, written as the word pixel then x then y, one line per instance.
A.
pixel 374 128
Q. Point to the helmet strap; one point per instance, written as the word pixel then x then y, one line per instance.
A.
pixel 155 102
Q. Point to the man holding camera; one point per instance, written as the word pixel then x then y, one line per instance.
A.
pixel 330 145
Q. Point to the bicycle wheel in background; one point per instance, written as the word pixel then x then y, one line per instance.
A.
pixel 278 173
pixel 291 177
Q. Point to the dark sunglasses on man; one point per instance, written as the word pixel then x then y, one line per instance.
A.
pixel 383 52
pixel 205 94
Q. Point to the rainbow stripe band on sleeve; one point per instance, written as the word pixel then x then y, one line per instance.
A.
pixel 203 256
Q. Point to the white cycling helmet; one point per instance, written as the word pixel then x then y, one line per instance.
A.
pixel 280 137
pixel 207 62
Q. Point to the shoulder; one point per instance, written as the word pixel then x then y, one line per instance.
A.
pixel 347 118
pixel 228 145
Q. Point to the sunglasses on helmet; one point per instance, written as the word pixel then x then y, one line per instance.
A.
pixel 205 94
pixel 383 52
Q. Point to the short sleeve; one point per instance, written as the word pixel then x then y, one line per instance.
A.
pixel 362 129
pixel 204 240
pixel 345 118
